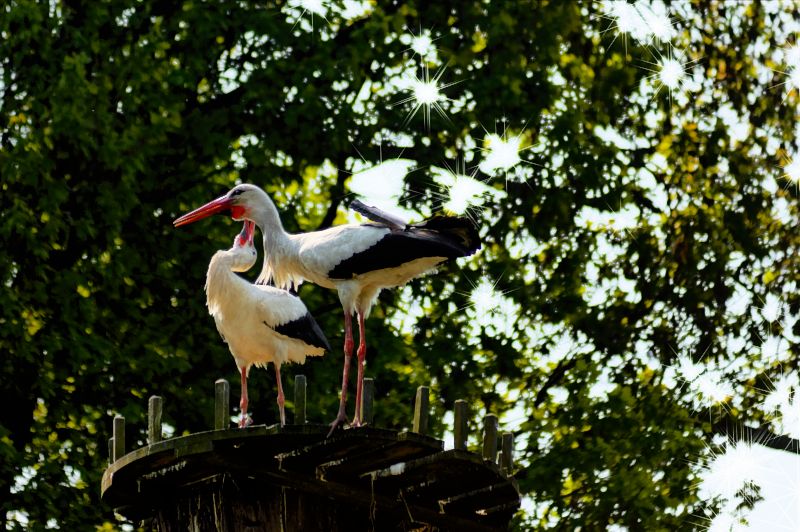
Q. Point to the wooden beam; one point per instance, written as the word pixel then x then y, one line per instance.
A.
pixel 299 399
pixel 421 410
pixel 460 425
pixel 222 404
pixel 154 409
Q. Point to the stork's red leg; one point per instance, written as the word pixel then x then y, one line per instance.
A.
pixel 280 393
pixel 362 357
pixel 348 352
pixel 245 419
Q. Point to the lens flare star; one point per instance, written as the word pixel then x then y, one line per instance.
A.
pixel 313 7
pixel 463 194
pixel 426 94
pixel 791 171
pixel 668 71
pixel 502 155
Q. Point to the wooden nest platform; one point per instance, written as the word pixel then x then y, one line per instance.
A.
pixel 293 478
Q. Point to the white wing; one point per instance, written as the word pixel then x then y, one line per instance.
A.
pixel 320 251
pixel 277 307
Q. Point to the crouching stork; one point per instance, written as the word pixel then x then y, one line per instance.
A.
pixel 260 324
pixel 357 260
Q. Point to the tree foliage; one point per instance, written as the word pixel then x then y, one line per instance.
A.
pixel 119 116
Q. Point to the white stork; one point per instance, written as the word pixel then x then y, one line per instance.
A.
pixel 357 260
pixel 260 324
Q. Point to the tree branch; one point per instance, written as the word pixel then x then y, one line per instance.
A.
pixel 337 194
pixel 555 377
pixel 736 432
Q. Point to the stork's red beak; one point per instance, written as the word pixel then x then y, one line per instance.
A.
pixel 221 204
pixel 246 236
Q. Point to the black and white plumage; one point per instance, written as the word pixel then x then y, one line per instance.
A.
pixel 260 324
pixel 357 260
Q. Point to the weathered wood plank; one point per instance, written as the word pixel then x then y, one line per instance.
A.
pixel 480 500
pixel 299 399
pixel 222 404
pixel 421 410
pixel 351 442
pixel 379 457
pixel 154 408
pixel 434 479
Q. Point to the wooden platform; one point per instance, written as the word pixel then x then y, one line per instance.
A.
pixel 294 478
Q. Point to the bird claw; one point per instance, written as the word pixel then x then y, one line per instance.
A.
pixel 340 420
pixel 245 421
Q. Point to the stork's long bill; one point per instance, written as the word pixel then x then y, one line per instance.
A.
pixel 218 206
pixel 245 238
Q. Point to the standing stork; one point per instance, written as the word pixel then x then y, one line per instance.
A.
pixel 357 260
pixel 260 324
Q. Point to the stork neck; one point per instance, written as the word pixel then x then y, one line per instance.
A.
pixel 219 278
pixel 266 217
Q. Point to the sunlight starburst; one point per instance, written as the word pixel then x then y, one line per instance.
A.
pixel 312 7
pixel 669 71
pixel 791 171
pixel 426 94
pixel 462 194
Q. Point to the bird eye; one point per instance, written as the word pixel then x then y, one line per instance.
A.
pixel 237 192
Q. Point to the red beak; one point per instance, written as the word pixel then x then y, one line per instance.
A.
pixel 246 236
pixel 221 204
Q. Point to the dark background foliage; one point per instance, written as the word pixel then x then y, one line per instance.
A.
pixel 119 116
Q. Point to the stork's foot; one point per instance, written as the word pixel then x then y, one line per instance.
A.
pixel 245 421
pixel 341 419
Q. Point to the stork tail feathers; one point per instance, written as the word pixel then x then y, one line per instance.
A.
pixel 459 230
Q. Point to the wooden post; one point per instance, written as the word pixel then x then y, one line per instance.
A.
pixel 421 410
pixel 507 453
pixel 299 399
pixel 460 425
pixel 222 406
pixel 119 437
pixel 154 409
pixel 110 451
pixel 490 437
pixel 367 400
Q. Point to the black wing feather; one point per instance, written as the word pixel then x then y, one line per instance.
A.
pixel 305 329
pixel 448 237
pixel 378 215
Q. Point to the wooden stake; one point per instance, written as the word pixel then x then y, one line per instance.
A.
pixel 507 453
pixel 367 400
pixel 421 410
pixel 222 404
pixel 154 408
pixel 490 438
pixel 299 399
pixel 460 425
pixel 119 437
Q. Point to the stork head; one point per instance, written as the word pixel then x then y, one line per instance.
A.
pixel 239 201
pixel 243 252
